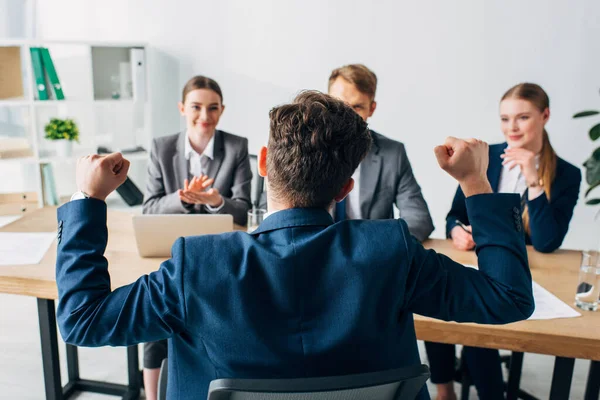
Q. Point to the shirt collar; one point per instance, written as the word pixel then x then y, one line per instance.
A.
pixel 209 151
pixel 294 217
pixel 269 213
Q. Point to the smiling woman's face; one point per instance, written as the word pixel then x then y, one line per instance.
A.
pixel 523 123
pixel 202 110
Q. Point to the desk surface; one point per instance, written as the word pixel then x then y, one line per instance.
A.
pixel 557 272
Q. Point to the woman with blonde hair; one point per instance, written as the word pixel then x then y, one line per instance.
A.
pixel 549 187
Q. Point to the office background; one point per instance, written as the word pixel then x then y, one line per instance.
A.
pixel 442 66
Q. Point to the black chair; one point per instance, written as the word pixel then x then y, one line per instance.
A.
pixel 403 383
pixel 130 193
pixel 395 384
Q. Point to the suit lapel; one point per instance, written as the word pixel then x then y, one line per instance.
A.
pixel 370 169
pixel 219 153
pixel 495 166
pixel 180 164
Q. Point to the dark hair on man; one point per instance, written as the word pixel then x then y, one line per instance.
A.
pixel 315 145
pixel 201 82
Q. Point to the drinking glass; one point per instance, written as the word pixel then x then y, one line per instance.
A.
pixel 588 289
pixel 255 218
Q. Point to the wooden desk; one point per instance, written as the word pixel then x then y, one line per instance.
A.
pixel 566 338
pixel 558 272
pixel 38 281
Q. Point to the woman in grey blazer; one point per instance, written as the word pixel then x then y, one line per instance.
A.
pixel 200 170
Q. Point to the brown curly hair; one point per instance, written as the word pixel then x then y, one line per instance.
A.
pixel 315 145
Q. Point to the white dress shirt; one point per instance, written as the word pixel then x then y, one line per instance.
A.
pixel 197 163
pixel 353 199
pixel 513 181
pixel 195 159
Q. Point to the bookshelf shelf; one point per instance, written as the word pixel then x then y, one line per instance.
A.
pixel 53 159
pixel 19 160
pixel 14 103
pixel 47 103
pixel 89 75
pixel 42 103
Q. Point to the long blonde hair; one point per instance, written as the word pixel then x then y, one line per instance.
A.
pixel 547 167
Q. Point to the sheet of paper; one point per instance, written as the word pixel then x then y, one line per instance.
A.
pixel 24 248
pixel 7 219
pixel 547 305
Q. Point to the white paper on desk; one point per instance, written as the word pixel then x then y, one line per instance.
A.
pixel 547 305
pixel 18 248
pixel 7 219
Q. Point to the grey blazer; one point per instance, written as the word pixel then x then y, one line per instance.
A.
pixel 386 178
pixel 168 168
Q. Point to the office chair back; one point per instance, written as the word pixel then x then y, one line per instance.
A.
pixel 403 383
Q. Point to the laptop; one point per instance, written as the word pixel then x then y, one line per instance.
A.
pixel 156 233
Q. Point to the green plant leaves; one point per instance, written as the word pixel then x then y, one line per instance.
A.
pixel 58 129
pixel 586 113
pixel 587 192
pixel 592 166
pixel 595 132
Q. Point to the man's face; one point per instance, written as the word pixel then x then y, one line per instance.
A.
pixel 361 103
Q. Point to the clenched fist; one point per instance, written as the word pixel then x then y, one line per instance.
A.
pixel 98 176
pixel 467 162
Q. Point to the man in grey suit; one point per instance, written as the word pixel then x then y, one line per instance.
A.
pixel 226 162
pixel 384 177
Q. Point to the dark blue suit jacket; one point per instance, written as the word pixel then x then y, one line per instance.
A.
pixel 548 220
pixel 299 297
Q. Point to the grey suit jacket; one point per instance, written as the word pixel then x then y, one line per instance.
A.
pixel 386 178
pixel 168 168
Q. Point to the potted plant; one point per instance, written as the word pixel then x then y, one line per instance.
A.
pixel 64 132
pixel 592 164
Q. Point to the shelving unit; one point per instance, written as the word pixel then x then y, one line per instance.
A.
pixel 91 76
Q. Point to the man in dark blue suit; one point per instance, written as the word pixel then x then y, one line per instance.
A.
pixel 301 296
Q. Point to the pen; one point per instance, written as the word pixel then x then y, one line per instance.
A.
pixel 463 226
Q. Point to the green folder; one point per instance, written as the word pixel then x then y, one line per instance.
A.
pixel 38 72
pixel 52 76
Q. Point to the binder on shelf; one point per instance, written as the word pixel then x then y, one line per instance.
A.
pixel 38 73
pixel 49 188
pixel 125 80
pixel 138 74
pixel 48 65
pixel 11 76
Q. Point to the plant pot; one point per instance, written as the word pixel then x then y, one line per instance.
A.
pixel 64 148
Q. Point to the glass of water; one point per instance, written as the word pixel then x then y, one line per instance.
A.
pixel 255 218
pixel 588 289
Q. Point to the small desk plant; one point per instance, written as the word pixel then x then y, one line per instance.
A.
pixel 64 132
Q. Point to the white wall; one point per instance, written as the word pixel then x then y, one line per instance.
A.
pixel 442 66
